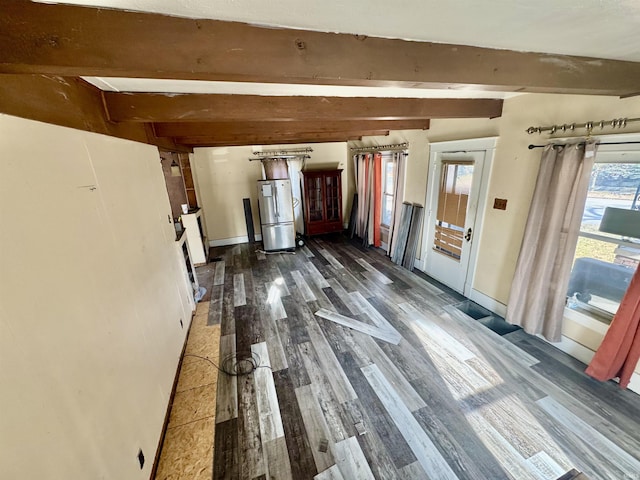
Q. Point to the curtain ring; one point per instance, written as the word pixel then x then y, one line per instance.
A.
pixel 589 127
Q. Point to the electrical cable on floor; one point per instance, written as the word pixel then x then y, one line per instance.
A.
pixel 236 364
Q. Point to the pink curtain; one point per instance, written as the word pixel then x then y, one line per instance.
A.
pixel 620 350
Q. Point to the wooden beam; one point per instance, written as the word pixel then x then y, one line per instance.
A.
pixel 197 129
pixel 156 107
pixel 296 141
pixel 69 102
pixel 270 139
pixel 73 41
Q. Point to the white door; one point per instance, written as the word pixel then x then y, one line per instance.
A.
pixel 455 180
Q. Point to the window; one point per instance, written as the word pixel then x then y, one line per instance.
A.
pixel 605 262
pixel 388 184
pixel 453 196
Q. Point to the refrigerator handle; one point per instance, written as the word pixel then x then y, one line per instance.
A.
pixel 275 198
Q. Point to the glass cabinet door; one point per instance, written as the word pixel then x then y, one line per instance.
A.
pixel 314 195
pixel 332 197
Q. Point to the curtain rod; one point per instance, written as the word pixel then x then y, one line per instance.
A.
pixel 277 157
pixel 531 147
pixel 292 153
pixel 379 148
pixel 615 123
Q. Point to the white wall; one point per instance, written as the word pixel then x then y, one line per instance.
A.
pixel 224 176
pixel 90 303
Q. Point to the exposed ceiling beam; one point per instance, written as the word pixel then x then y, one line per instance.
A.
pixel 212 129
pixel 69 102
pixel 154 107
pixel 73 41
pixel 275 140
pixel 268 139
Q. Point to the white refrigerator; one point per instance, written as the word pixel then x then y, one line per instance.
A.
pixel 276 214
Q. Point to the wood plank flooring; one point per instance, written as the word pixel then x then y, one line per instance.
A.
pixel 390 381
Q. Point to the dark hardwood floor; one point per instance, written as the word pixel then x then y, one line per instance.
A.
pixel 390 381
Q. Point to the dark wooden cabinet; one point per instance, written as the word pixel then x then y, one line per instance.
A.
pixel 322 201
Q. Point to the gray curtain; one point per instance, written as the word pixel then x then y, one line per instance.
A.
pixel 539 288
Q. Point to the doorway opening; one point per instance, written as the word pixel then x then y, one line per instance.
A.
pixel 456 199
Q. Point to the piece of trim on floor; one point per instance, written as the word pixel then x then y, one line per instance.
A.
pixel 389 334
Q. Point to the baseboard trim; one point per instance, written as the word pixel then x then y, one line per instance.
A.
pixel 567 345
pixel 634 383
pixel 585 355
pixel 573 348
pixel 163 434
pixel 487 302
pixel 221 242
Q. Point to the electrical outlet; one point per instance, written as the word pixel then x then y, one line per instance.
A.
pixel 141 458
pixel 500 203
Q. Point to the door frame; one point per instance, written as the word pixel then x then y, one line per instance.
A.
pixel 436 150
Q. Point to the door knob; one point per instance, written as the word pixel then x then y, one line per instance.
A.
pixel 467 237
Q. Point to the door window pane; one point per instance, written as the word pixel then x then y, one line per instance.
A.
pixel 453 197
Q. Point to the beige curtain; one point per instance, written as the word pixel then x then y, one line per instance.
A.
pixel 399 167
pixel 363 168
pixel 275 168
pixel 539 288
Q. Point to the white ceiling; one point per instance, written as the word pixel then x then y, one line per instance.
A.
pixel 280 89
pixel 594 28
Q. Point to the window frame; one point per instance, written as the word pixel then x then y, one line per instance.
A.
pixel 387 158
pixel 624 153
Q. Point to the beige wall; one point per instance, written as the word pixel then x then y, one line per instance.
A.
pixel 90 303
pixel 224 176
pixel 514 174
pixel 513 177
